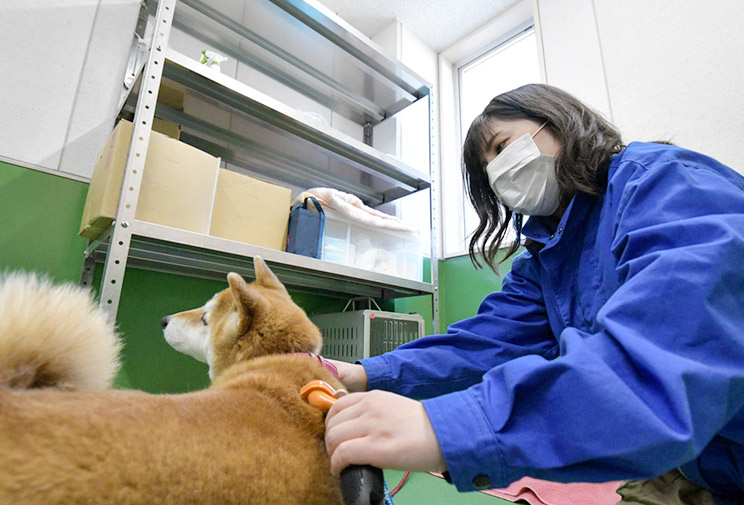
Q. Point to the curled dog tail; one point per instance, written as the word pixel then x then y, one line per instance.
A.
pixel 53 336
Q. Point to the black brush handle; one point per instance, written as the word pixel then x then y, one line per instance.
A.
pixel 362 485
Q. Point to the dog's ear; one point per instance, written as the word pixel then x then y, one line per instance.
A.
pixel 265 276
pixel 247 299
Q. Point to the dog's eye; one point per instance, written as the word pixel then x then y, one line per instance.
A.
pixel 204 319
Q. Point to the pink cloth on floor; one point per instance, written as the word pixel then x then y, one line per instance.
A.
pixel 542 492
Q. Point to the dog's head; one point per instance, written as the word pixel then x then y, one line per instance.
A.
pixel 242 322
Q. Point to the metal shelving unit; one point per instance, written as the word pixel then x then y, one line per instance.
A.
pixel 276 142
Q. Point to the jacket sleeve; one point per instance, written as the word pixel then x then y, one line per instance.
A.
pixel 662 375
pixel 509 324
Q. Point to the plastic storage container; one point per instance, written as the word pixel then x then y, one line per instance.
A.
pixel 380 250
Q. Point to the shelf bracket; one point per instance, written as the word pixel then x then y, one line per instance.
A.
pixel 137 52
pixel 88 271
pixel 368 131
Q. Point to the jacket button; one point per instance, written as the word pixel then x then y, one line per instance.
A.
pixel 482 482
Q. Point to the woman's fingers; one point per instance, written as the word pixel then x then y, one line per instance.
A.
pixel 354 452
pixel 341 422
pixel 381 429
pixel 353 376
pixel 343 409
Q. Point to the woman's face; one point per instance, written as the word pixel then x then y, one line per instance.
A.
pixel 506 131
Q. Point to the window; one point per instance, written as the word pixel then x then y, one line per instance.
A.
pixel 487 76
pixel 501 69
pixel 506 63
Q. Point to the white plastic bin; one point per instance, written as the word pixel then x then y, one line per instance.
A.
pixel 380 250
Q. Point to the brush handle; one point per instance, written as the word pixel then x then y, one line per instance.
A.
pixel 362 485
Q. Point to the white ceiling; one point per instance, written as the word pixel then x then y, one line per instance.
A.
pixel 438 23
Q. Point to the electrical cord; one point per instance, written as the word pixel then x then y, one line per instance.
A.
pixel 400 484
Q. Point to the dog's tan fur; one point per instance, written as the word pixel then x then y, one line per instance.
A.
pixel 53 336
pixel 249 438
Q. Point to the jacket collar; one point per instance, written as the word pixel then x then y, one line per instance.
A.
pixel 539 229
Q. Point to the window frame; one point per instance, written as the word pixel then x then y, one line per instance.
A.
pixel 508 27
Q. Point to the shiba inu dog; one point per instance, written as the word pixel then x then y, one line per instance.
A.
pixel 249 438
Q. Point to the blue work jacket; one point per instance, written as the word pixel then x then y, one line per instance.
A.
pixel 615 349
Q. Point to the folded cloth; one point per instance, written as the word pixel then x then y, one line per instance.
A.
pixel 542 492
pixel 354 209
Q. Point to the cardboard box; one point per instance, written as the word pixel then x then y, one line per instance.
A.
pixel 171 96
pixel 177 186
pixel 169 128
pixel 250 210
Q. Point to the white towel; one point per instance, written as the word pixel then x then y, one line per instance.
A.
pixel 354 209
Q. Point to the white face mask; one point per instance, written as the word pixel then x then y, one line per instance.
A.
pixel 524 179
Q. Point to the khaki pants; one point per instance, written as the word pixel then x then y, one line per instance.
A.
pixel 672 488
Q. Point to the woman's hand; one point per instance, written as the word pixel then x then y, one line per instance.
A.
pixel 384 430
pixel 354 377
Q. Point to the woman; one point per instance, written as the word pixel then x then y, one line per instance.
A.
pixel 615 349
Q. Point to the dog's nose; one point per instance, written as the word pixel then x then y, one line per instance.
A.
pixel 164 321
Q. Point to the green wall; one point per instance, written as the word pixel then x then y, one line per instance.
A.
pixel 40 220
pixel 461 289
pixel 150 364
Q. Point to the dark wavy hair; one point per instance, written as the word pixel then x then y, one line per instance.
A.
pixel 587 142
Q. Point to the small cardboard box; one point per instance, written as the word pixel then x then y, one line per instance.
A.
pixel 169 128
pixel 174 99
pixel 250 210
pixel 177 184
pixel 171 96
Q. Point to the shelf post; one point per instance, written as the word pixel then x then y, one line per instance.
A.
pixel 434 212
pixel 116 259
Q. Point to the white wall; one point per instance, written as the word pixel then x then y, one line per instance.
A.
pixel 407 135
pixel 571 50
pixel 659 70
pixel 656 69
pixel 62 65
